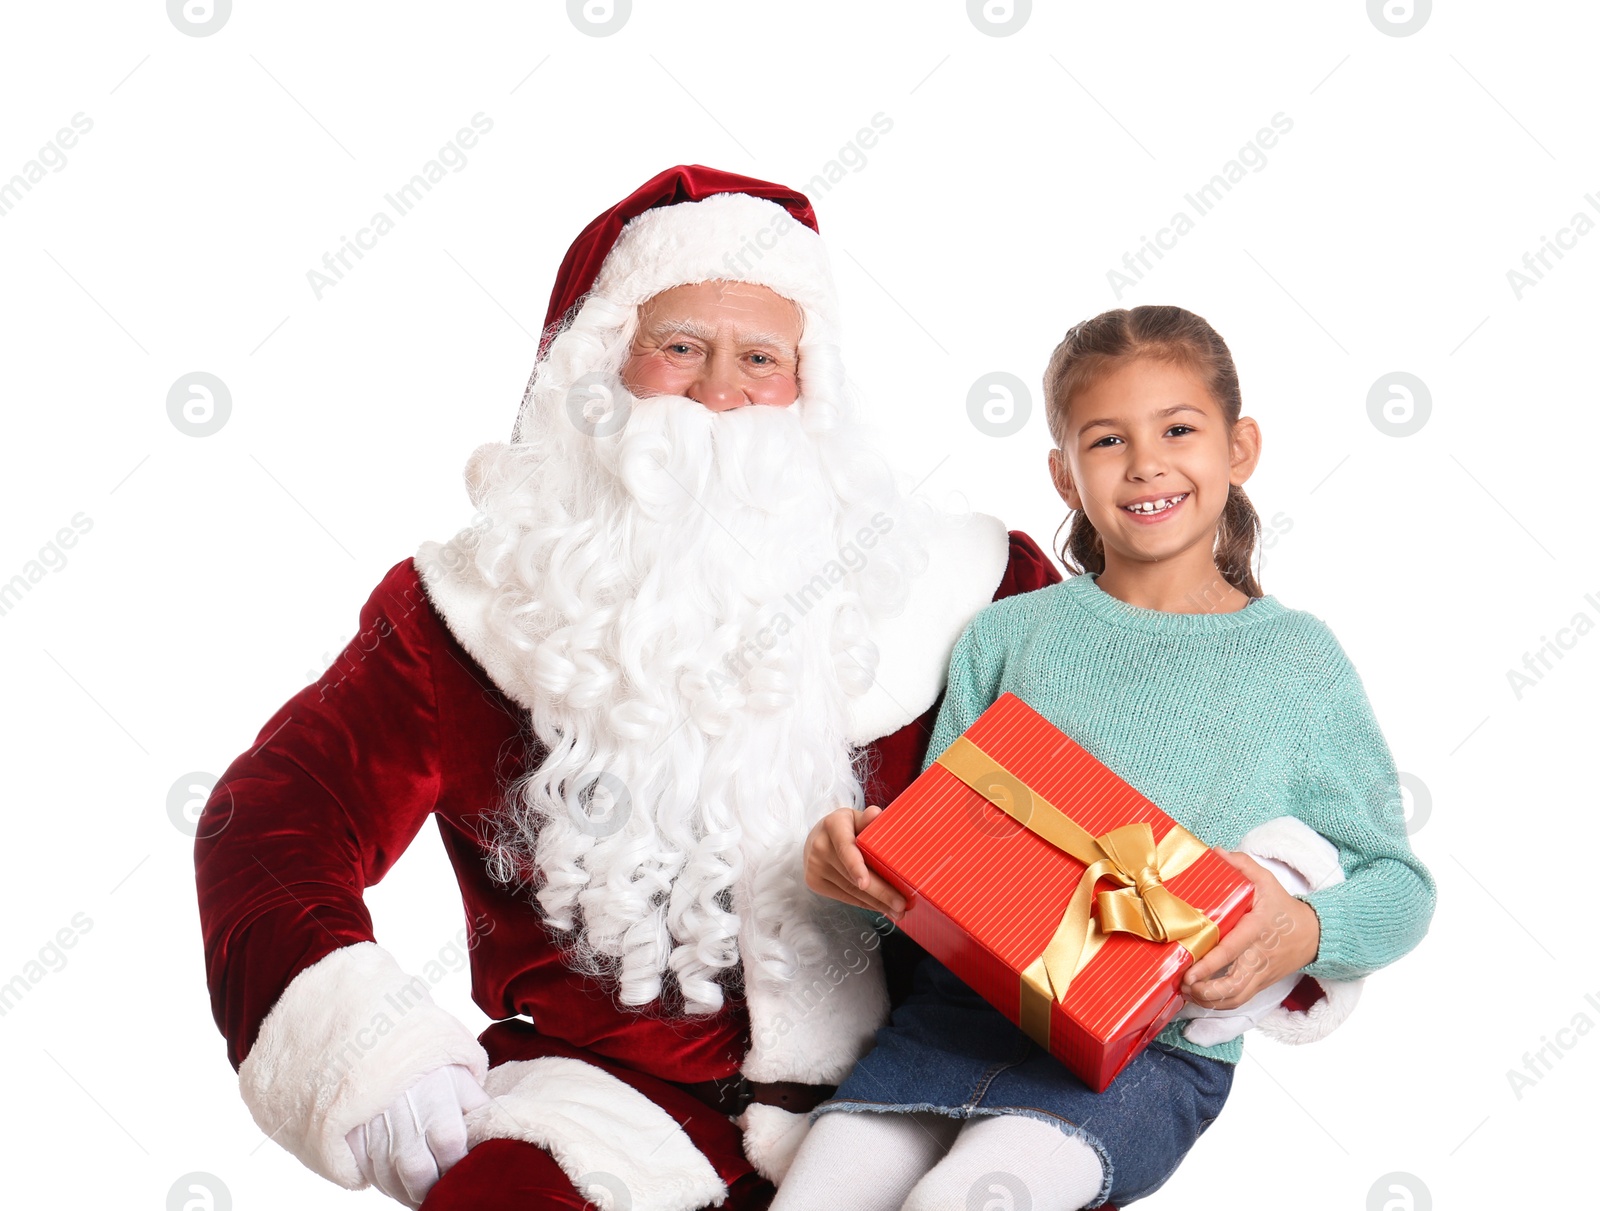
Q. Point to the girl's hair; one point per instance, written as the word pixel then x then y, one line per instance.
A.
pixel 1094 347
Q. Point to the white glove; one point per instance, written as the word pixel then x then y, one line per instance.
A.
pixel 419 1135
pixel 1213 1026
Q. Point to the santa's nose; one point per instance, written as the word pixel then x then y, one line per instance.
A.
pixel 719 392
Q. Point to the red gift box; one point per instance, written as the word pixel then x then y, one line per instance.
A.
pixel 990 847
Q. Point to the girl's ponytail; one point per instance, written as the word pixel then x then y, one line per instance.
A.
pixel 1238 532
pixel 1083 551
pixel 1172 334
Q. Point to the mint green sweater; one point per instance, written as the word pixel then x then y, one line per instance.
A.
pixel 1224 721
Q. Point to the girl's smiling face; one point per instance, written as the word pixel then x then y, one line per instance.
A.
pixel 1148 457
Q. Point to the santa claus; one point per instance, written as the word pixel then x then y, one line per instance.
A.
pixel 693 621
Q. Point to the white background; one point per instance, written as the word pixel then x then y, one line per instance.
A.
pixel 222 573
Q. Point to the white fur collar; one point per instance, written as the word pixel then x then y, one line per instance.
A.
pixel 967 558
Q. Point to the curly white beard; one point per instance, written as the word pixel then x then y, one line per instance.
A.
pixel 692 596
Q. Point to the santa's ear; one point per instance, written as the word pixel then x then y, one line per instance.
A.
pixel 1061 476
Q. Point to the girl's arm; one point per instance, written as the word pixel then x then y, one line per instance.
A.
pixel 976 666
pixel 1349 792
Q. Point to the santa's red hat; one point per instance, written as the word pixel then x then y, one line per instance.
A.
pixel 697 224
pixel 685 183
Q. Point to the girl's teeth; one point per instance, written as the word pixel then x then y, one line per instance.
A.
pixel 1156 506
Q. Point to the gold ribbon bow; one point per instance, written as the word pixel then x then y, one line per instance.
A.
pixel 1127 855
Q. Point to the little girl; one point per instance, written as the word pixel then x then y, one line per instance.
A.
pixel 1163 658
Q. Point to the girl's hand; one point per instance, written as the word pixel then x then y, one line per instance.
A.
pixel 1277 937
pixel 835 867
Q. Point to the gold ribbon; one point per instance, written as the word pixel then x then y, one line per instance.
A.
pixel 1127 855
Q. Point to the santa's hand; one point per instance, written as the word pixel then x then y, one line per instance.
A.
pixel 416 1139
pixel 1276 938
pixel 835 867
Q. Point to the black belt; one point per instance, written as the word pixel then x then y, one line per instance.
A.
pixel 732 1094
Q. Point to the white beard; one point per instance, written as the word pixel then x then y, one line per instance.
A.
pixel 692 597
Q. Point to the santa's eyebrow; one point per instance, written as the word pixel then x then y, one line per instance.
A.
pixel 694 329
pixel 766 338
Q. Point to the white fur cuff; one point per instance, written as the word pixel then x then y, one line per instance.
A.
pixel 772 1136
pixel 1293 843
pixel 1302 860
pixel 618 1147
pixel 347 1036
pixel 1339 997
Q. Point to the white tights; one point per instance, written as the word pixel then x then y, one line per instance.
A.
pixel 894 1161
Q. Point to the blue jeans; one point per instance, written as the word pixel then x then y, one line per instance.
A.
pixel 948 1051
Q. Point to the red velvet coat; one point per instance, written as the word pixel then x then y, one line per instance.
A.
pixel 404 725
